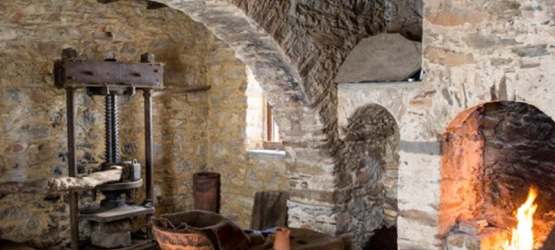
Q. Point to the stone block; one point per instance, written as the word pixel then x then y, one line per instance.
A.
pixel 472 227
pixel 489 239
pixel 111 234
pixel 112 227
pixel 384 57
pixel 111 240
pixel 532 51
pixel 458 18
pixel 447 58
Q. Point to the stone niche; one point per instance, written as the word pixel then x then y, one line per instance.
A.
pixel 369 179
pixel 492 155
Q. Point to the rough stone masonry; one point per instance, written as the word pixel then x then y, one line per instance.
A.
pixel 194 132
pixel 474 52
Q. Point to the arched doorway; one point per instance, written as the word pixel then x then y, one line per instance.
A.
pixel 369 177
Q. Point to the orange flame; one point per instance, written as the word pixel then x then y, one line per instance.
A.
pixel 522 235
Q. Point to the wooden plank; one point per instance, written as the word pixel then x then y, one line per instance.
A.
pixel 123 212
pixel 269 210
pixel 62 184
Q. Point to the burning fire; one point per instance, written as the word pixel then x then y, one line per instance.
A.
pixel 522 235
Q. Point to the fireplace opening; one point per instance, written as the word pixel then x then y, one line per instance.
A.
pixel 493 156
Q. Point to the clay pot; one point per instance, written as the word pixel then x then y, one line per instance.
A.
pixel 282 241
pixel 169 240
pixel 206 191
pixel 190 231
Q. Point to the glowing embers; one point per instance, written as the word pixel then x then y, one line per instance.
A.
pixel 523 234
pixel 479 234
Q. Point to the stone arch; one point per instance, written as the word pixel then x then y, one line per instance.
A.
pixel 368 180
pixel 492 154
pixel 282 84
pixel 298 107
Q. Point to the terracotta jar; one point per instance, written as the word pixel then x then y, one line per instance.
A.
pixel 282 241
pixel 169 240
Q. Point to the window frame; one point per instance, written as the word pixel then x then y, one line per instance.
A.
pixel 272 138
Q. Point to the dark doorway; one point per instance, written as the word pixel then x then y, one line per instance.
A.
pixel 383 239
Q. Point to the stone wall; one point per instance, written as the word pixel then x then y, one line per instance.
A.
pixel 317 36
pixel 295 49
pixel 243 174
pixel 474 52
pixel 405 17
pixel 32 35
pixel 311 35
pixel 462 160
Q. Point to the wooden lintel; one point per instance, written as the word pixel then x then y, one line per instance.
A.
pixel 176 91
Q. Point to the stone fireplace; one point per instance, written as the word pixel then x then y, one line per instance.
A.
pixel 492 154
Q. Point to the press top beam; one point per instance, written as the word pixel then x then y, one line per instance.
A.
pixel 105 74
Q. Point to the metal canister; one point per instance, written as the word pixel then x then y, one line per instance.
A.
pixel 206 191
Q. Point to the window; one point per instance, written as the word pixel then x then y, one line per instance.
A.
pixel 273 138
pixel 262 131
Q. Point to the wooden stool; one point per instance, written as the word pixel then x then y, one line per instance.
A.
pixel 269 210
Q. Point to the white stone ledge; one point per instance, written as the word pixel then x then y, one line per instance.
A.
pixel 266 152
